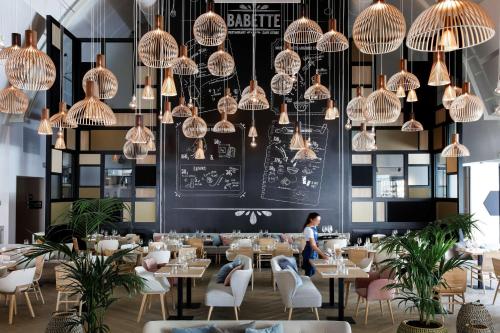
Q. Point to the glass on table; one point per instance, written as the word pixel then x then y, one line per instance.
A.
pixel 359 241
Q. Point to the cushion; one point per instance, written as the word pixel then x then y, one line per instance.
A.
pixel 276 328
pixel 150 264
pixel 226 269
pixel 216 240
pixel 227 280
pixel 296 276
pixel 233 329
pixel 226 241
pixel 287 238
pixel 201 329
pixel 286 262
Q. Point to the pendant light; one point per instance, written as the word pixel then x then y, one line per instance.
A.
pixel 199 153
pixel 348 125
pixel 15 45
pixel 133 103
pixel 317 91
pixel 400 92
pixel 252 132
pixel 439 73
pixel 283 119
pixel 139 133
pixel 403 80
pixel 210 29
pixel 60 119
pixel 450 25
pixel 44 128
pixel 253 101
pixel 253 143
pixel 13 101
pixel 379 29
pixel 306 153
pixel 168 85
pixel 227 103
pixel 157 48
pixel 148 92
pixel 467 107
pixel 332 40
pixel 258 89
pixel 382 105
pixel 497 89
pixel 106 80
pixel 412 125
pixel 363 141
pixel 331 110
pixel 167 117
pixel 282 84
pixel 181 110
pixel 151 145
pixel 90 110
pixel 287 61
pixel 297 141
pixel 29 68
pixel 135 151
pixel 194 127
pixel 303 31
pixel 183 65
pixel 412 96
pixel 455 149
pixel 60 144
pixel 223 126
pixel 220 63
pixel 449 95
pixel 355 107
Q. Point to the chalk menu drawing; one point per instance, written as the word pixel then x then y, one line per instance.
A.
pixel 222 171
pixel 289 180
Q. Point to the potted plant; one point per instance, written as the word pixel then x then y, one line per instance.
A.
pixel 418 270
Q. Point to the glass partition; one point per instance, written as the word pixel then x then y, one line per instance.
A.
pixel 117 176
pixel 390 176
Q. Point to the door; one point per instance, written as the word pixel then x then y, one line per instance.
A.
pixel 29 207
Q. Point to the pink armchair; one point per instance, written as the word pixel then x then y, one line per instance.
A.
pixel 374 289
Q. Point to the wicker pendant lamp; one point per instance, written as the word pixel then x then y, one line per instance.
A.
pixel 253 101
pixel 400 92
pixel 6 52
pixel 332 40
pixel 450 25
pixel 181 110
pixel 455 149
pixel 13 101
pixel 44 128
pixel 90 110
pixel 210 29
pixel 29 68
pixel 303 31
pixel 60 119
pixel 379 29
pixel 105 79
pixel 403 79
pixel 348 125
pixel 467 107
pixel 227 103
pixel 139 133
pixel 252 131
pixel 317 91
pixel 258 88
pixel 168 85
pixel 412 96
pixel 151 145
pixel 449 95
pixel 148 92
pixel 412 125
pixel 287 61
pixel 133 102
pixel 363 141
pixel 167 116
pixel 253 143
pixel 306 153
pixel 382 105
pixel 199 153
pixel 194 127
pixel 439 73
pixel 331 110
pixel 223 126
pixel 220 63
pixel 60 144
pixel 183 65
pixel 283 119
pixel 135 151
pixel 297 141
pixel 157 48
pixel 282 84
pixel 355 107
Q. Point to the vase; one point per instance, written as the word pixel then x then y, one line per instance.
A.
pixel 478 328
pixel 407 326
pixel 64 322
pixel 473 313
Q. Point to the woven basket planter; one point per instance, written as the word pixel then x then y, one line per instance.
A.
pixel 60 322
pixel 478 328
pixel 473 313
pixel 404 327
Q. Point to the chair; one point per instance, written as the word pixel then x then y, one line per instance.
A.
pixel 336 243
pixel 366 265
pixel 219 295
pixel 76 246
pixel 35 286
pixel 455 285
pixel 357 255
pixel 376 238
pixel 244 242
pixel 198 244
pixel 64 287
pixel 152 286
pixel 275 267
pixel 187 252
pixel 107 246
pixel 374 289
pixel 287 252
pixel 265 244
pixel 18 281
pixel 161 257
pixel 156 246
pixel 496 269
pixel 380 256
pixel 485 271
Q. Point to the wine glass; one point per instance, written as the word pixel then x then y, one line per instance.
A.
pixel 395 232
pixel 359 241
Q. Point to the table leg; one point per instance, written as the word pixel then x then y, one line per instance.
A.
pixel 331 297
pixel 189 304
pixel 341 316
pixel 180 302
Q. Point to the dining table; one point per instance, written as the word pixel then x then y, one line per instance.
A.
pixel 479 254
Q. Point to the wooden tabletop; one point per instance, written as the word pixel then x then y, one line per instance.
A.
pixel 325 263
pixel 472 251
pixel 260 251
pixel 370 250
pixel 190 272
pixel 351 273
pixel 192 263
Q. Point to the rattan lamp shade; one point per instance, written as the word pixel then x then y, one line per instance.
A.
pixel 317 91
pixel 455 149
pixel 29 68
pixel 258 88
pixel 355 107
pixel 227 103
pixel 60 119
pixel 382 105
pixel 157 48
pixel 412 96
pixel 252 131
pixel 90 110
pixel 363 141
pixel 450 25
pixel 403 78
pixel 194 127
pixel 105 79
pixel 220 63
pixel 331 110
pixel 168 86
pixel 210 29
pixel 287 61
pixel 283 119
pixel 303 31
pixel 306 153
pixel 135 151
pixel 439 73
pixel 297 141
pixel 44 128
pixel 332 40
pixel 139 133
pixel 282 84
pixel 412 125
pixel 148 92
pixel 253 101
pixel 167 117
pixel 199 153
pixel 60 144
pixel 6 52
pixel 379 29
pixel 223 126
pixel 13 101
pixel 183 65
pixel 181 110
pixel 449 95
pixel 466 107
pixel 133 102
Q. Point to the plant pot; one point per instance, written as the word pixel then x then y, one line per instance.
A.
pixel 478 328
pixel 412 326
pixel 61 322
pixel 473 313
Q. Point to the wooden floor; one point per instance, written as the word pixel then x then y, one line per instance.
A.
pixel 261 303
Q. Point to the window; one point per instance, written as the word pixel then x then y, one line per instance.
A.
pixel 390 176
pixel 117 176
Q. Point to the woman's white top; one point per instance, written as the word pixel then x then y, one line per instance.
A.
pixel 308 233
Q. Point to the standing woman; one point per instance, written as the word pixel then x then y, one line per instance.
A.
pixel 311 250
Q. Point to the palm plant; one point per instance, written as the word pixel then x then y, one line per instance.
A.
pixel 423 261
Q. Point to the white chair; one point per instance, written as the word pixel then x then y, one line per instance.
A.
pixel 127 246
pixel 219 295
pixel 275 267
pixel 244 242
pixel 18 281
pixel 157 246
pixel 247 262
pixel 336 243
pixel 161 257
pixel 382 255
pixel 152 286
pixel 107 245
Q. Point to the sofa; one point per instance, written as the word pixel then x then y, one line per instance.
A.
pixel 295 326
